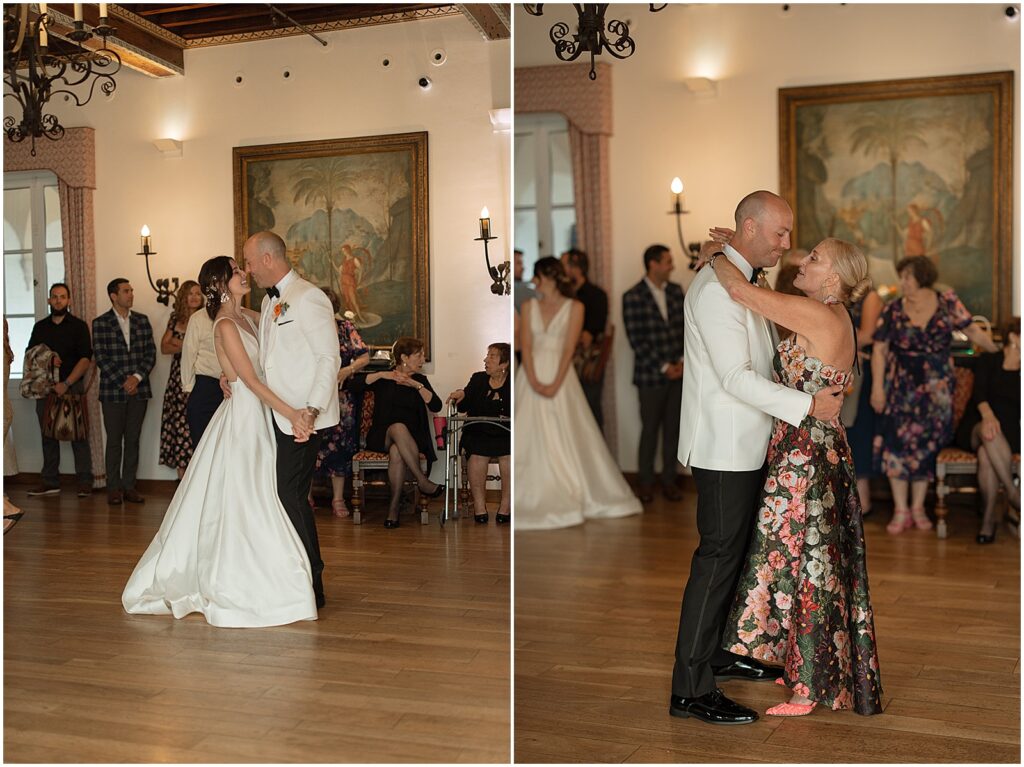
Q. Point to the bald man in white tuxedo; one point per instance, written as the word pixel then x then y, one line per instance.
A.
pixel 729 402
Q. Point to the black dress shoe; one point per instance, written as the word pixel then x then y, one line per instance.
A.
pixel 671 493
pixel 437 493
pixel 502 519
pixel 320 601
pixel 645 493
pixel 391 524
pixel 749 669
pixel 713 708
pixel 982 538
pixel 481 519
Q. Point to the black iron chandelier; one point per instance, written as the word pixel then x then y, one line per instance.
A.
pixel 590 33
pixel 34 74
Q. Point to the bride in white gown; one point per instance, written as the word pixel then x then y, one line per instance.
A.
pixel 226 547
pixel 563 470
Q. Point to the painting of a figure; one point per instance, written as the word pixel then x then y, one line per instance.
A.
pixel 353 214
pixel 908 168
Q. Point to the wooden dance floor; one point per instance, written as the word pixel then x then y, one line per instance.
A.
pixel 409 661
pixel 596 612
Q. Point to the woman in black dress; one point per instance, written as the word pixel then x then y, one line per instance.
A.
pixel 400 424
pixel 991 426
pixel 489 394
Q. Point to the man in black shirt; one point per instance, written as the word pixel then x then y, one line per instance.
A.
pixel 595 318
pixel 68 336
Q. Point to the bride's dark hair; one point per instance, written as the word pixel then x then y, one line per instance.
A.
pixel 552 268
pixel 213 281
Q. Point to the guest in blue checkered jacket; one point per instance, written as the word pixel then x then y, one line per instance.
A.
pixel 652 312
pixel 125 352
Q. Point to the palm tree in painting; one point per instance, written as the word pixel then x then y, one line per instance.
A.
pixel 890 128
pixel 324 179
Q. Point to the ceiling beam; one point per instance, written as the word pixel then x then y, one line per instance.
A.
pixel 491 19
pixel 141 49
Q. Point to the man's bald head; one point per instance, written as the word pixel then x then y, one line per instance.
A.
pixel 763 225
pixel 269 243
pixel 266 258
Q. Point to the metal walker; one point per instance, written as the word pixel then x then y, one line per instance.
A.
pixel 453 465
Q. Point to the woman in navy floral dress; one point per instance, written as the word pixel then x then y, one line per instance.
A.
pixel 913 385
pixel 341 442
pixel 802 598
pixel 175 439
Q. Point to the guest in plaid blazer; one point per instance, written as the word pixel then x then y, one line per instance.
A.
pixel 652 313
pixel 125 353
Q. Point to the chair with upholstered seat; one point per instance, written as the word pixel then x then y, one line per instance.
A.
pixel 371 468
pixel 954 462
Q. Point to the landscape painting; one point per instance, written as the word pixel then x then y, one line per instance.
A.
pixel 353 214
pixel 908 168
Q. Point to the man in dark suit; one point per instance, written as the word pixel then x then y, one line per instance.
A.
pixel 652 313
pixel 125 353
pixel 595 321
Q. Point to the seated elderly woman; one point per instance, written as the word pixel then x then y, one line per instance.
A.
pixel 991 426
pixel 400 424
pixel 488 394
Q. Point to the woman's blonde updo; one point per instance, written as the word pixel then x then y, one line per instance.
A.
pixel 851 268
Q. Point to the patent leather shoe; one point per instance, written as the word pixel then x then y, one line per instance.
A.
pixel 481 519
pixel 391 524
pixel 749 669
pixel 502 519
pixel 320 600
pixel 713 708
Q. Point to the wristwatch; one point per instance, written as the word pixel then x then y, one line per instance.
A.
pixel 313 411
pixel 716 254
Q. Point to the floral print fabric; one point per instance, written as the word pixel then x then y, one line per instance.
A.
pixel 175 438
pixel 802 598
pixel 340 442
pixel 918 418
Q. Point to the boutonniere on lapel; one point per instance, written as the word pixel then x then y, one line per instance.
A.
pixel 280 310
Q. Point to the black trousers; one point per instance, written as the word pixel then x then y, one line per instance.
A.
pixel 295 463
pixel 203 401
pixel 726 504
pixel 659 412
pixel 123 422
pixel 51 449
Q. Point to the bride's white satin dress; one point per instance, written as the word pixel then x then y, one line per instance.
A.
pixel 564 473
pixel 226 547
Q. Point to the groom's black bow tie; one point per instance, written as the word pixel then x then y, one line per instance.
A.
pixel 757 273
pixel 273 292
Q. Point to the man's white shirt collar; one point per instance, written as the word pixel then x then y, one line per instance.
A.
pixel 739 261
pixel 287 280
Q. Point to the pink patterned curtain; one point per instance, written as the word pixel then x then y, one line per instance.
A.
pixel 73 160
pixel 587 106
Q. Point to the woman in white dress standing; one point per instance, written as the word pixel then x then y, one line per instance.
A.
pixel 564 472
pixel 226 548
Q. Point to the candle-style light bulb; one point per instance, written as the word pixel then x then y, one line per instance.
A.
pixel 145 238
pixel 677 186
pixel 485 222
pixel 145 231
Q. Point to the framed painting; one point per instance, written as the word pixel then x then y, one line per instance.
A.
pixel 908 168
pixel 353 214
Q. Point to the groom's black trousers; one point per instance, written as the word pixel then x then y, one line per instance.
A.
pixel 295 463
pixel 726 503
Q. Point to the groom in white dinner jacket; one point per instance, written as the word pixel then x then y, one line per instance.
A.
pixel 300 356
pixel 729 400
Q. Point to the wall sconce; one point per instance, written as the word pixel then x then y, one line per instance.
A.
pixel 501 284
pixel 164 289
pixel 678 211
pixel 169 147
pixel 701 86
pixel 501 120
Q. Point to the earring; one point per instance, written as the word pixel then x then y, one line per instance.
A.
pixel 225 297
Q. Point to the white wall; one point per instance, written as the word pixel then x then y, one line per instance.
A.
pixel 726 146
pixel 336 92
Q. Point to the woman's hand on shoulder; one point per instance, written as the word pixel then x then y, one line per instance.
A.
pixel 405 380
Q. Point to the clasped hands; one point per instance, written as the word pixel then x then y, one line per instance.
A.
pixel 302 425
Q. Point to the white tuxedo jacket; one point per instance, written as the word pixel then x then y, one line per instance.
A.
pixel 299 350
pixel 729 395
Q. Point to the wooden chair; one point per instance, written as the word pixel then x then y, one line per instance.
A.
pixel 370 468
pixel 954 462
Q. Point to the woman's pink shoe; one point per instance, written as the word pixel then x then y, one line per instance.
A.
pixel 921 520
pixel 900 521
pixel 791 709
pixel 339 509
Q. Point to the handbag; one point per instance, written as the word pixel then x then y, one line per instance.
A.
pixel 65 416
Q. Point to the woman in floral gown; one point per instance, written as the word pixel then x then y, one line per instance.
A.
pixel 802 598
pixel 340 442
pixel 913 385
pixel 175 439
